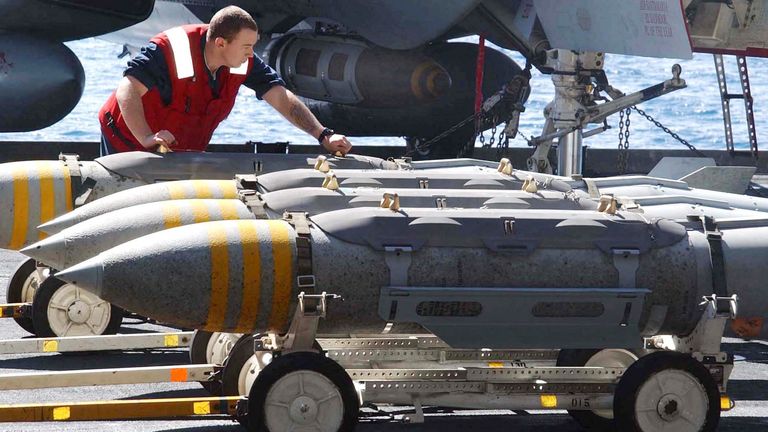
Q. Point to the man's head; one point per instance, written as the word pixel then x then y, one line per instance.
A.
pixel 233 32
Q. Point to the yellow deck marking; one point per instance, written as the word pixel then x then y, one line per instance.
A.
pixel 171 215
pixel 171 340
pixel 228 209
pixel 219 278
pixel 68 201
pixel 548 401
pixel 20 208
pixel 47 197
pixel 495 364
pixel 61 413
pixel 281 294
pixel 251 277
pixel 200 212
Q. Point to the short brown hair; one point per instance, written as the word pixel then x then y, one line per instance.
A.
pixel 228 22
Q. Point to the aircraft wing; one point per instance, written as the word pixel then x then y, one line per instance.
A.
pixel 65 20
pixel 165 15
pixel 399 24
pixel 657 28
pixel 650 28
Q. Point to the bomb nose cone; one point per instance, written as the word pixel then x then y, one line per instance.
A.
pixel 429 81
pixel 49 251
pixel 87 275
pixel 439 83
pixel 59 224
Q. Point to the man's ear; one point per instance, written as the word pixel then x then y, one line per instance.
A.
pixel 219 42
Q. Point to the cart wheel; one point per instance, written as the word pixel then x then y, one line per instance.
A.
pixel 62 309
pixel 220 346
pixel 598 420
pixel 302 391
pixel 21 289
pixel 198 354
pixel 669 391
pixel 242 366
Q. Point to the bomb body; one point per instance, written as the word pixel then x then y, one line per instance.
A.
pixel 241 275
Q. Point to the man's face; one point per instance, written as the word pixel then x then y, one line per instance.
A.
pixel 240 49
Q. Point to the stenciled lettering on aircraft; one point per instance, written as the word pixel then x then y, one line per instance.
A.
pixel 654 5
pixel 655 20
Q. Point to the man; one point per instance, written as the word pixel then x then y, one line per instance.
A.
pixel 185 82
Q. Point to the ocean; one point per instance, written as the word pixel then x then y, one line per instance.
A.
pixel 694 113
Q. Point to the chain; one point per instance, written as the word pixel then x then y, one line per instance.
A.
pixel 623 156
pixel 503 138
pixel 666 129
pixel 492 141
pixel 423 147
pixel 520 92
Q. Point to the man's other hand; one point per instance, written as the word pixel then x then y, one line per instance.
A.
pixel 337 143
pixel 162 138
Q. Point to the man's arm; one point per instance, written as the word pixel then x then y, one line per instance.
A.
pixel 129 93
pixel 287 104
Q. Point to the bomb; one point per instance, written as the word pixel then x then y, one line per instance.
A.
pixel 621 275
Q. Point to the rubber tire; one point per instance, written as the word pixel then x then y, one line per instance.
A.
pixel 296 361
pixel 14 288
pixel 626 391
pixel 586 419
pixel 40 310
pixel 198 355
pixel 241 351
pixel 199 346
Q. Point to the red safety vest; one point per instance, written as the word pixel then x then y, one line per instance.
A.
pixel 193 113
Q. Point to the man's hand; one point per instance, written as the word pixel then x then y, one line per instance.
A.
pixel 287 104
pixel 337 143
pixel 162 138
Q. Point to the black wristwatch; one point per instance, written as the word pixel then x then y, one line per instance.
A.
pixel 325 133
